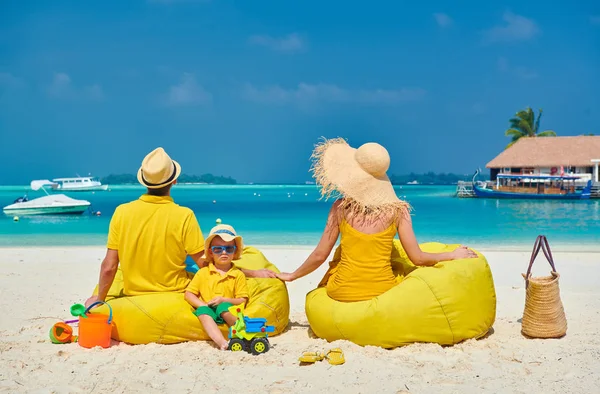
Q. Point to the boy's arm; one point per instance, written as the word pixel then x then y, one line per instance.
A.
pixel 236 301
pixel 240 293
pixel 194 300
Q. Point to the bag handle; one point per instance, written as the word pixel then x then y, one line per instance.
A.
pixel 541 243
pixel 99 303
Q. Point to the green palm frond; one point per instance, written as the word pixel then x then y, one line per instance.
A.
pixel 547 133
pixel 526 127
pixel 525 124
pixel 514 133
pixel 537 122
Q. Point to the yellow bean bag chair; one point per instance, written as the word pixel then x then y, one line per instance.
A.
pixel 168 318
pixel 445 304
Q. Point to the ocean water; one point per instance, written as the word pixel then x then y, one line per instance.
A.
pixel 294 215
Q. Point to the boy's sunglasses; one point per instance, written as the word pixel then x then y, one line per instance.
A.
pixel 221 249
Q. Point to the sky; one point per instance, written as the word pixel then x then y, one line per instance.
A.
pixel 246 88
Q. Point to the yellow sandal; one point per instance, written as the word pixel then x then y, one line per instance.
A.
pixel 311 357
pixel 335 356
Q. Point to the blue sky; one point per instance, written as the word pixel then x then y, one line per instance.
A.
pixel 246 88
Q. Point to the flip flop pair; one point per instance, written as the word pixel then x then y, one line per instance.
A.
pixel 333 356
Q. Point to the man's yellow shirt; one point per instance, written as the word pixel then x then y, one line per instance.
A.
pixel 153 237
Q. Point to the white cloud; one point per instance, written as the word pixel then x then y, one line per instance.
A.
pixel 502 64
pixel 525 73
pixel 188 93
pixel 63 88
pixel 595 19
pixel 478 108
pixel 7 79
pixel 519 71
pixel 289 44
pixel 516 28
pixel 169 2
pixel 443 20
pixel 94 92
pixel 308 93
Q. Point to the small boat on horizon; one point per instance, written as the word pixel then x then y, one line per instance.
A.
pixel 77 184
pixel 50 204
pixel 533 186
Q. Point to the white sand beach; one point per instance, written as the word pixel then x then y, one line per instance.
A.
pixel 37 286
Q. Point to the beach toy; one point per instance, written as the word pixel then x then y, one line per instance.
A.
pixel 94 329
pixel 446 304
pixel 62 332
pixel 249 334
pixel 78 310
pixel 168 318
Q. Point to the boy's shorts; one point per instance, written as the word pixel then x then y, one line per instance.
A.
pixel 214 311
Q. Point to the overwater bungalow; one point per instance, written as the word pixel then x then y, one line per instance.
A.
pixel 542 168
pixel 578 156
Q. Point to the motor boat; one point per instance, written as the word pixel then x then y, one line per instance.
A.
pixel 78 184
pixel 50 204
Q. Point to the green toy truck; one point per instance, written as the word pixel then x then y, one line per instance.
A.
pixel 249 334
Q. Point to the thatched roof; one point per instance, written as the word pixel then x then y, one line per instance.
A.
pixel 549 152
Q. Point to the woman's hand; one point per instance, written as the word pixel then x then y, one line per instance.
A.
pixel 463 252
pixel 286 277
pixel 264 273
pixel 261 273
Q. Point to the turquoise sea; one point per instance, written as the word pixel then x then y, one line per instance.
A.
pixel 294 215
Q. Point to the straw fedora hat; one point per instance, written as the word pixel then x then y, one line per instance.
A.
pixel 158 169
pixel 359 175
pixel 226 233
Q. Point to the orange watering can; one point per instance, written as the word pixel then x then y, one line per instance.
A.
pixel 94 328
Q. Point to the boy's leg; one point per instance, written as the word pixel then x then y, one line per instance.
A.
pixel 207 317
pixel 222 310
pixel 229 318
pixel 213 331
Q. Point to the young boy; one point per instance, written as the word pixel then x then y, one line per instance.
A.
pixel 220 284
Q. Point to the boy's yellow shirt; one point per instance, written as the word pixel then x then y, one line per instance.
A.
pixel 209 283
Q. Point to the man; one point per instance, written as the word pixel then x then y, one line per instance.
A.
pixel 151 237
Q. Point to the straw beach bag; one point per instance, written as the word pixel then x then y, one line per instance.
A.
pixel 544 315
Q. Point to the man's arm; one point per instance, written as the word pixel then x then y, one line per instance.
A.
pixel 197 257
pixel 108 270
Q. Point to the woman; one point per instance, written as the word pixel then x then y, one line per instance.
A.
pixel 368 215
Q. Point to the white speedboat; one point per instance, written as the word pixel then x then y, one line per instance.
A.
pixel 51 204
pixel 78 184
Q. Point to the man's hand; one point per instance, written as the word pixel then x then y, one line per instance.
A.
pixel 91 300
pixel 216 301
pixel 261 273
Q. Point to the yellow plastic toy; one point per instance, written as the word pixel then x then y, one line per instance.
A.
pixel 445 304
pixel 249 334
pixel 168 318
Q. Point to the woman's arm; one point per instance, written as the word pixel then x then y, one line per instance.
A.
pixel 414 252
pixel 323 249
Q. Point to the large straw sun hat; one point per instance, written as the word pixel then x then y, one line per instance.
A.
pixel 359 175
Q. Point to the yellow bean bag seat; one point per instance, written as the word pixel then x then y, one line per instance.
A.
pixel 445 304
pixel 168 318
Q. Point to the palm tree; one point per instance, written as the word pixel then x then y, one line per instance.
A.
pixel 524 124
